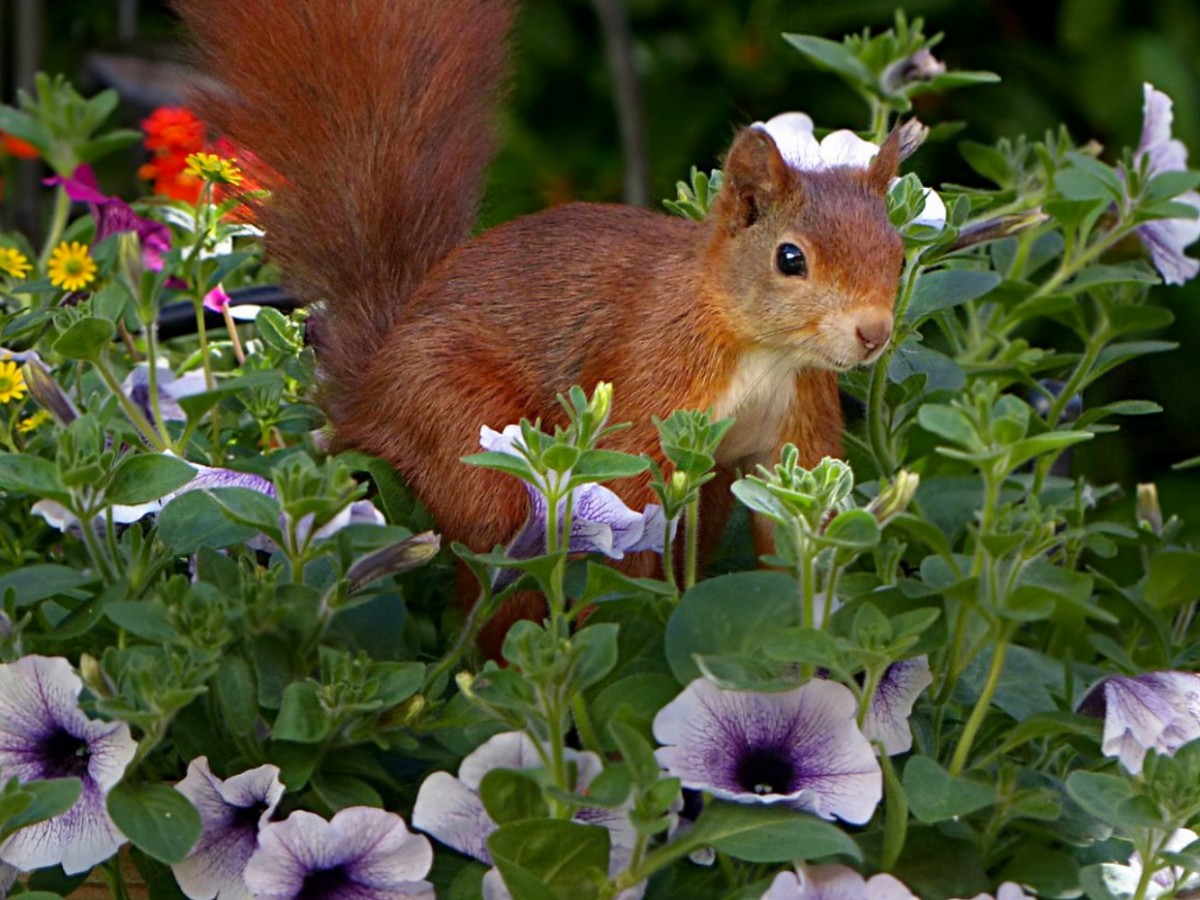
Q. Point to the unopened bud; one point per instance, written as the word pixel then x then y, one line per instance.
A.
pixel 93 675
pixel 129 257
pixel 679 487
pixel 918 68
pixel 602 402
pixel 1149 513
pixel 895 498
pixel 403 556
pixel 999 227
pixel 47 393
pixel 465 682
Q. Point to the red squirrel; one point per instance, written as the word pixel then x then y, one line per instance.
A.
pixel 378 115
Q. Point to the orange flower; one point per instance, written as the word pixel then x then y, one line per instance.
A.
pixel 173 129
pixel 14 146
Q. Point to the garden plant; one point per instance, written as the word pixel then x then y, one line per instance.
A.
pixel 231 665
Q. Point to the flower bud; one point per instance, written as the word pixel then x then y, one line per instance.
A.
pixel 919 68
pixel 407 554
pixel 999 227
pixel 601 403
pixel 47 393
pixel 1149 513
pixel 895 498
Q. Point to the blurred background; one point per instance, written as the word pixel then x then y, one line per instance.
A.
pixel 616 99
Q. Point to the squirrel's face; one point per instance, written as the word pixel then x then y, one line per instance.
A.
pixel 809 261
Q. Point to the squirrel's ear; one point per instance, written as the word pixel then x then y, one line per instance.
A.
pixel 886 164
pixel 755 176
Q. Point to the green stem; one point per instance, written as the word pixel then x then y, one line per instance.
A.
pixel 588 735
pixel 668 557
pixel 480 613
pixel 870 685
pixel 87 527
pixel 692 543
pixel 807 571
pixel 1149 867
pixel 961 753
pixel 895 811
pixel 58 223
pixel 114 878
pixel 881 449
pixel 152 360
pixel 130 408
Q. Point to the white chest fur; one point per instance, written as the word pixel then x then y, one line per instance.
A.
pixel 759 396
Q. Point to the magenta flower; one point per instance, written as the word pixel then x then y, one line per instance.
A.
pixel 113 215
pixel 800 748
pixel 834 882
pixel 887 716
pixel 362 853
pixel 1166 239
pixel 44 734
pixel 232 811
pixel 1159 710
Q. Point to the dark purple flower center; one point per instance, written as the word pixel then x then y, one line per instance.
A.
pixel 323 884
pixel 63 755
pixel 765 770
pixel 246 817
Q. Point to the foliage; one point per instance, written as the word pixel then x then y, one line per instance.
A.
pixel 218 582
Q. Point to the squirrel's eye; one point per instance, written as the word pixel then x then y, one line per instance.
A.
pixel 789 259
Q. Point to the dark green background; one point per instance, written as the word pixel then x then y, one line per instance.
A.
pixel 709 66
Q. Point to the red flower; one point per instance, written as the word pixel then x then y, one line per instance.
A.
pixel 14 146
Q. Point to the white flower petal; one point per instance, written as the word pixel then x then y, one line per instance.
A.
pixel 793 136
pixel 245 312
pixel 595 505
pixel 509 750
pixel 887 717
pixel 453 813
pixel 934 212
pixel 1156 709
pixel 845 148
pixel 380 851
pixel 803 744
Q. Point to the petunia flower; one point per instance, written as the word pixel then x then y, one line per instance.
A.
pixel 834 882
pixel 113 215
pixel 232 812
pixel 1166 239
pixel 362 853
pixel 898 689
pixel 1122 880
pixel 450 810
pixel 600 520
pixel 171 389
pixel 793 136
pixel 44 734
pixel 1010 890
pixel 800 748
pixel 1157 709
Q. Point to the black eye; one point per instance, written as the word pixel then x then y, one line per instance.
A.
pixel 789 259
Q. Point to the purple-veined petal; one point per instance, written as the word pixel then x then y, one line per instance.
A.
pixel 1156 709
pixel 835 882
pixel 362 853
pixel 1166 239
pixel 44 734
pixel 449 811
pixel 898 689
pixel 231 813
pixel 799 747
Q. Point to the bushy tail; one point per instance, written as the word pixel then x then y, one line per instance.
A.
pixel 377 117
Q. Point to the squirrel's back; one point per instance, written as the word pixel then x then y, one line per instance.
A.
pixel 375 123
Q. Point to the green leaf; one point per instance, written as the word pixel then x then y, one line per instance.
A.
pixel 145 476
pixel 237 694
pixel 108 143
pixel 196 405
pixel 32 584
pixel 550 858
pixel 36 801
pixel 949 423
pixel 947 288
pixel 302 717
pixel 30 474
pixel 605 465
pixel 740 672
pixel 767 834
pixel 247 507
pixel 1173 579
pixel 509 796
pixel 501 462
pixel 832 56
pixel 340 791
pixel 729 614
pixel 1099 794
pixel 85 338
pixel 141 618
pixel 854 529
pixel 935 795
pixel 593 654
pixel 157 819
pixel 194 520
pixel 987 161
pixel 811 646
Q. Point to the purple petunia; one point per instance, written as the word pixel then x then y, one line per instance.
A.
pixel 113 215
pixel 834 882
pixel 1166 239
pixel 362 853
pixel 600 521
pixel 450 810
pixel 1123 880
pixel 1159 710
pixel 232 812
pixel 887 716
pixel 801 748
pixel 44 734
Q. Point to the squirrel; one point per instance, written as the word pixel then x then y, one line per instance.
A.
pixel 377 117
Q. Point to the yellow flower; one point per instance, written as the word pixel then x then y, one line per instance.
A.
pixel 12 382
pixel 13 262
pixel 32 423
pixel 214 168
pixel 71 266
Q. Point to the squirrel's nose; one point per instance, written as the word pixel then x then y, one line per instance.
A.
pixel 873 333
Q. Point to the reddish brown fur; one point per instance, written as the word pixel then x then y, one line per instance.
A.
pixel 376 116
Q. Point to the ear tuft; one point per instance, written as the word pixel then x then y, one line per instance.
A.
pixel 886 164
pixel 755 177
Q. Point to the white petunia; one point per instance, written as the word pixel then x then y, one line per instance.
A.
pixel 834 882
pixel 1166 239
pixel 887 716
pixel 1157 709
pixel 44 734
